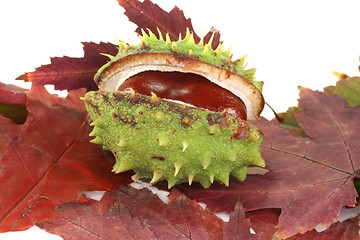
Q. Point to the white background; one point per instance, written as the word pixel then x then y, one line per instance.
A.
pixel 291 43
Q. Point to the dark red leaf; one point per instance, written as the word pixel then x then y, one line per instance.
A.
pixel 347 230
pixel 127 213
pixel 310 178
pixel 84 221
pixel 149 15
pixel 238 226
pixel 68 73
pixel 49 160
pixel 216 38
pixel 181 218
pixel 195 216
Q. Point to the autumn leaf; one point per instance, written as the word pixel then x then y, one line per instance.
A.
pixel 238 226
pixel 68 73
pixel 346 230
pixel 127 213
pixel 310 178
pixel 147 15
pixel 49 160
pixel 264 221
pixel 85 221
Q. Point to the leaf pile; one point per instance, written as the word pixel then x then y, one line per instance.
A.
pixel 47 161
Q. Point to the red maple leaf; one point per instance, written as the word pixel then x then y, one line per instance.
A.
pixel 127 213
pixel 238 226
pixel 147 15
pixel 73 73
pixel 49 160
pixel 310 178
pixel 347 230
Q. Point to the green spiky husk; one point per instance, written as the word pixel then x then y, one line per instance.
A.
pixel 188 48
pixel 164 140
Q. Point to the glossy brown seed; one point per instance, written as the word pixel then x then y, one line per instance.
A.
pixel 186 87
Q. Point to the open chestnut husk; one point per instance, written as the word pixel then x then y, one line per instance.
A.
pixel 177 111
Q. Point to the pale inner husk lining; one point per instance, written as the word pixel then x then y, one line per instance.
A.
pixel 235 84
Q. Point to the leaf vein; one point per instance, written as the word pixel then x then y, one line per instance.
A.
pixel 44 174
pixel 156 214
pixel 307 159
pixel 334 120
pixel 82 227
